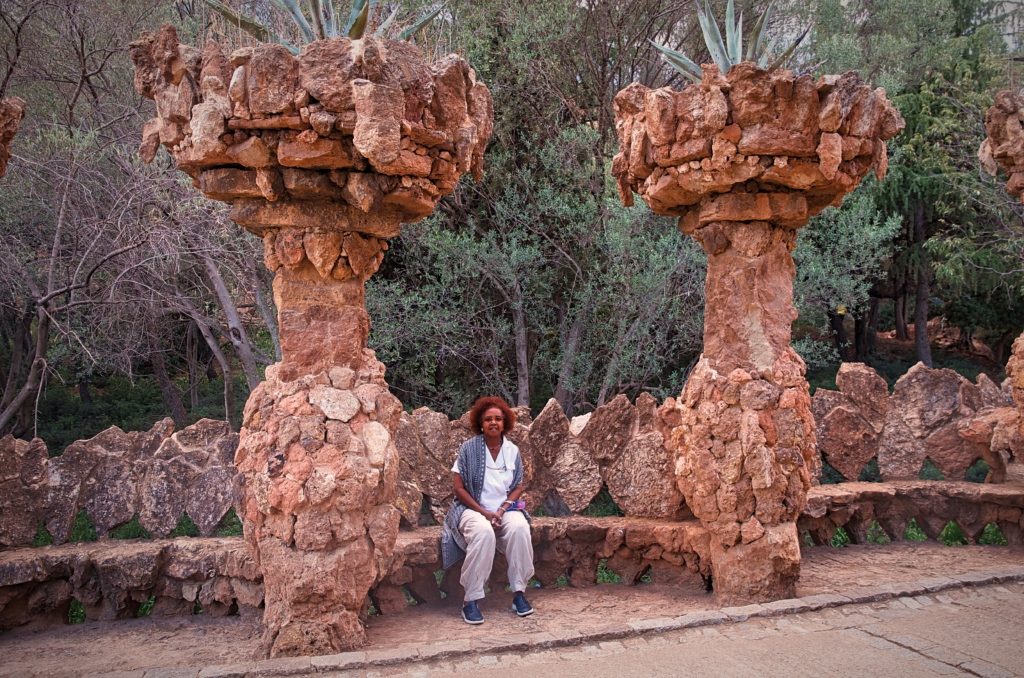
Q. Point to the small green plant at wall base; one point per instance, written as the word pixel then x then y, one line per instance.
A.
pixel 318 20
pixel 840 538
pixel 992 536
pixel 876 535
pixel 729 52
pixel 606 576
pixel 76 614
pixel 146 608
pixel 914 533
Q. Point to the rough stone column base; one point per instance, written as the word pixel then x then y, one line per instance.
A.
pixel 745 448
pixel 317 451
pixel 763 570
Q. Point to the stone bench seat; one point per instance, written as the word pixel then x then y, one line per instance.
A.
pixel 675 553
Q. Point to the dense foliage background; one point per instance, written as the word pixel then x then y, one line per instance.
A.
pixel 128 296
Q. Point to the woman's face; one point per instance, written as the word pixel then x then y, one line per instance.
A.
pixel 493 422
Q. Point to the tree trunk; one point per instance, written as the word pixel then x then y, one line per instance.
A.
pixel 83 390
pixel 922 291
pixel 1000 347
pixel 965 340
pixel 860 337
pixel 225 366
pixel 265 311
pixel 192 360
pixel 522 352
pixel 900 311
pixel 835 321
pixel 563 391
pixel 22 338
pixel 30 388
pixel 167 390
pixel 873 308
pixel 611 373
pixel 236 331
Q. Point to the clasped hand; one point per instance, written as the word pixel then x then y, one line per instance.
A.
pixel 494 517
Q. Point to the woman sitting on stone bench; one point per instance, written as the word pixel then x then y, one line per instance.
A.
pixel 486 513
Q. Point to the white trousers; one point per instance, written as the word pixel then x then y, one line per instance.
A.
pixel 512 539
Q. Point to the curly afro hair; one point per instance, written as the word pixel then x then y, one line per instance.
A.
pixel 476 415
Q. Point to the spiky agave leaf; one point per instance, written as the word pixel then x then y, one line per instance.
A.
pixel 720 57
pixel 762 61
pixel 785 55
pixel 382 29
pixel 760 27
pixel 421 23
pixel 357 8
pixel 739 40
pixel 713 40
pixel 316 11
pixel 330 21
pixel 250 26
pixel 293 10
pixel 679 61
pixel 359 25
pixel 730 31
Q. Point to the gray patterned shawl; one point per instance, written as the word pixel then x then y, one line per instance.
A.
pixel 472 465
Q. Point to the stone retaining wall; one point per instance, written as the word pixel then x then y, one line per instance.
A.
pixel 112 579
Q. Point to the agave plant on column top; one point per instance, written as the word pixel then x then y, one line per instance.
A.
pixel 322 154
pixel 744 156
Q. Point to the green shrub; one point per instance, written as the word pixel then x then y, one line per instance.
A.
pixel 952 535
pixel 185 528
pixel 83 529
pixel 131 530
pixel 930 471
pixel 603 505
pixel 230 525
pixel 43 536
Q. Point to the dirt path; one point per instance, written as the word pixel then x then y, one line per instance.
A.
pixel 96 647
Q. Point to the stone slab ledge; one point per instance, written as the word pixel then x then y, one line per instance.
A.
pixel 409 654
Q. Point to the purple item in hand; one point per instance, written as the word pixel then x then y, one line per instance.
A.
pixel 518 505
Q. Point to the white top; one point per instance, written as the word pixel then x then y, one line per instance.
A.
pixel 497 476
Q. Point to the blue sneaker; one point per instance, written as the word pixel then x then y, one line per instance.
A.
pixel 521 607
pixel 471 613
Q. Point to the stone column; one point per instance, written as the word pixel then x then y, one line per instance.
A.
pixel 746 444
pixel 744 160
pixel 323 155
pixel 317 448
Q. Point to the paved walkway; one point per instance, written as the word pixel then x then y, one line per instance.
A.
pixel 974 632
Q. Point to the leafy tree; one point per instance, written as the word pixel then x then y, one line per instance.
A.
pixel 840 255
